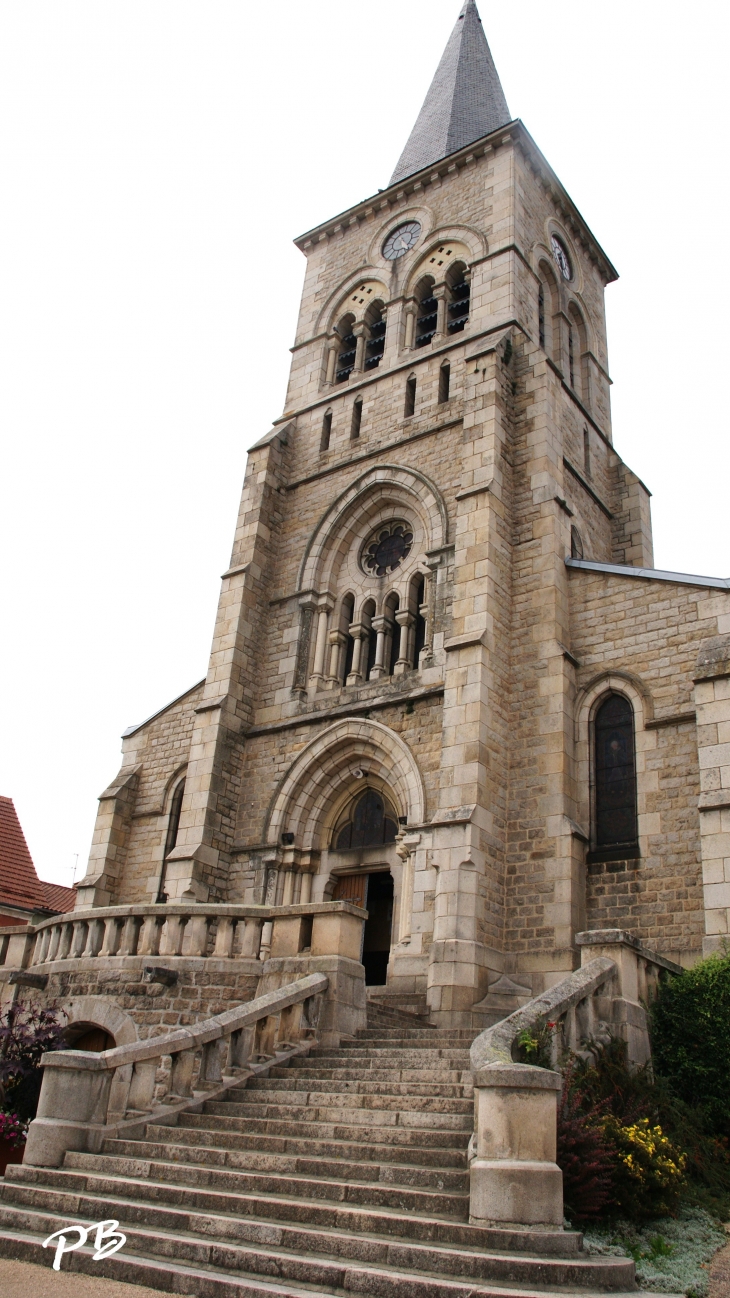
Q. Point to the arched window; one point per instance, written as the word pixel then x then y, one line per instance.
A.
pixel 571 357
pixel 324 443
pixel 368 822
pixel 616 825
pixel 356 420
pixel 548 305
pixel 390 653
pixel 541 314
pixel 375 322
pixel 369 644
pixel 348 349
pixel 457 281
pixel 410 396
pixel 427 317
pixel 444 380
pixel 173 827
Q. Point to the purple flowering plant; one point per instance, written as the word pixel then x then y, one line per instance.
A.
pixel 27 1032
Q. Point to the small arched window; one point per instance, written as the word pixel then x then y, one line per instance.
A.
pixel 576 543
pixel 324 443
pixel 444 381
pixel 577 349
pixel 548 305
pixel 347 349
pixel 419 633
pixel 390 654
pixel 427 317
pixel 457 282
pixel 541 314
pixel 375 347
pixel 410 396
pixel 616 824
pixel 368 822
pixel 346 615
pixel 370 642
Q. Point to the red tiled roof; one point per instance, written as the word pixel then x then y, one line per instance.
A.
pixel 19 883
pixel 57 897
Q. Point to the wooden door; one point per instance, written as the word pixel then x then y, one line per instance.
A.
pixel 352 887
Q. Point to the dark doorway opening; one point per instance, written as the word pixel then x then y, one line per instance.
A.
pixel 378 927
pixel 89 1036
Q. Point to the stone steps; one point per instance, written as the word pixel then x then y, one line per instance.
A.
pixel 345 1172
pixel 311 1147
pixel 348 1129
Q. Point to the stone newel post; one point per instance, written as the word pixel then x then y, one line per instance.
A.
pixel 514 1179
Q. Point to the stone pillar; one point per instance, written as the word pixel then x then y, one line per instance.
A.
pixel 712 701
pixel 362 334
pixel 337 640
pixel 406 621
pixel 379 624
pixel 359 634
pixel 441 294
pixel 410 329
pixel 514 1179
pixel 324 608
pixel 333 347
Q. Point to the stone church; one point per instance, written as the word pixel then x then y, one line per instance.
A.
pixel 446 682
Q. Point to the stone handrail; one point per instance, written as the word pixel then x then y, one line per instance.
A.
pixel 514 1178
pixel 86 1098
pixel 220 931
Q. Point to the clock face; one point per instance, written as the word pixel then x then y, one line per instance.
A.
pixel 401 240
pixel 562 258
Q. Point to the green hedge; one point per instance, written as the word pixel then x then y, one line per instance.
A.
pixel 690 1031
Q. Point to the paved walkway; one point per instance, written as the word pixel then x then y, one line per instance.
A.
pixel 26 1280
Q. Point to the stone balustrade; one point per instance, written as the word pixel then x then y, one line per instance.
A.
pixel 215 931
pixel 87 1098
pixel 514 1178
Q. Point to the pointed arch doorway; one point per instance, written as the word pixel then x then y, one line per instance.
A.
pixel 363 837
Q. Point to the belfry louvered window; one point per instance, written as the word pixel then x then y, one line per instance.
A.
pixel 459 305
pixel 376 342
pixel 427 317
pixel 616 824
pixel 348 349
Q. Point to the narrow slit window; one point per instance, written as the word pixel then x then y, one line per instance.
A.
pixel 541 314
pixel 324 444
pixel 444 380
pixel 587 452
pixel 356 420
pixel 571 357
pixel 410 396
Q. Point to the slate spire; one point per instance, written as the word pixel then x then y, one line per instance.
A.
pixel 464 102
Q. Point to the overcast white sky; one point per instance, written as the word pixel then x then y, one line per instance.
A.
pixel 157 157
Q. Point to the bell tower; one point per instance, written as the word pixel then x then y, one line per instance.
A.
pixel 391 684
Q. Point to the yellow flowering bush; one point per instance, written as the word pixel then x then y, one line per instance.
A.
pixel 649 1169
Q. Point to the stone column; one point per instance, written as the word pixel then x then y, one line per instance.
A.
pixel 406 621
pixel 362 334
pixel 324 608
pixel 333 347
pixel 410 330
pixel 359 634
pixel 380 625
pixel 337 640
pixel 441 294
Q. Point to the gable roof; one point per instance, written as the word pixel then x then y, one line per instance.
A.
pixel 19 883
pixel 465 100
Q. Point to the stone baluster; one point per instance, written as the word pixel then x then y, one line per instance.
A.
pixel 224 938
pixel 55 942
pixel 172 935
pixel 130 935
pixel 78 943
pixel 64 946
pixel 195 937
pixel 149 938
pixel 181 1076
pixel 112 936
pixel 142 1086
pixel 213 1059
pixel 266 933
pixel 46 937
pixel 406 621
pixel 96 937
pixel 251 938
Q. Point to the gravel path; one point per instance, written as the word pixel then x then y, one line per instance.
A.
pixel 720 1273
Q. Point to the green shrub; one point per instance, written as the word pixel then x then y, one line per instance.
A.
pixel 690 1031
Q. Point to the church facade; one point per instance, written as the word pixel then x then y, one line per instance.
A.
pixel 446 681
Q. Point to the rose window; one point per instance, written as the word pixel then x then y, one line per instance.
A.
pixel 387 548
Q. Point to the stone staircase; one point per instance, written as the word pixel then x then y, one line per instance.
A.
pixel 343 1172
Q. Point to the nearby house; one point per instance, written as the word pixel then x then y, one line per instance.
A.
pixel 23 896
